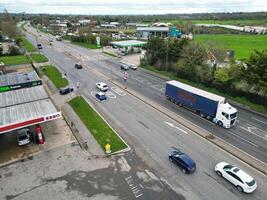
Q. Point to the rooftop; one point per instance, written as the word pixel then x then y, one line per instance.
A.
pixel 126 43
pixel 18 78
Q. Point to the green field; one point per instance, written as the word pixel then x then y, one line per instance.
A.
pixel 240 22
pixel 243 45
pixel 39 58
pixel 86 45
pixel 96 125
pixel 27 45
pixel 55 76
pixel 14 60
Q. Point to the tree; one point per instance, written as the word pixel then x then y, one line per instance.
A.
pixel 8 25
pixel 255 72
pixel 156 51
pixel 192 63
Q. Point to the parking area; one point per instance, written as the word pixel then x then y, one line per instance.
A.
pixel 56 133
pixel 132 59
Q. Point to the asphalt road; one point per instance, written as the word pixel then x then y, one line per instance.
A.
pixel 149 132
pixel 249 134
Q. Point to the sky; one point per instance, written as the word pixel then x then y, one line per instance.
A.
pixel 122 7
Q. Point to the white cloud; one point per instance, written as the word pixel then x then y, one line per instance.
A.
pixel 136 7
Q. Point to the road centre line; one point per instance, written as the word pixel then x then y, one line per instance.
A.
pixel 253 144
pixel 172 125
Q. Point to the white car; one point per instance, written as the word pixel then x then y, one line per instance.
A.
pixel 242 181
pixel 23 136
pixel 132 66
pixel 102 86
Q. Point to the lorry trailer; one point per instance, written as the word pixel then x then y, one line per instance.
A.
pixel 206 104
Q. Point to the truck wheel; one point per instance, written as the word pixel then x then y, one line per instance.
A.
pixel 220 123
pixel 202 115
pixel 180 104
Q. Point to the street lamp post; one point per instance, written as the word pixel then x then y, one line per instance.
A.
pixel 167 55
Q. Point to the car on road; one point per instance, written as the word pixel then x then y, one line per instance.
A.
pixel 240 179
pixel 124 66
pixel 23 136
pixel 132 66
pixel 102 86
pixel 39 46
pixel 182 160
pixel 66 90
pixel 78 66
pixel 101 96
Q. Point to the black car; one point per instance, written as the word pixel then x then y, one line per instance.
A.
pixel 67 90
pixel 182 160
pixel 39 46
pixel 78 66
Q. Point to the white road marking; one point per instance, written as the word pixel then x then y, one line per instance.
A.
pixel 172 125
pixel 257 128
pixel 111 95
pixel 259 120
pixel 67 58
pixel 118 91
pixel 93 93
pixel 255 145
pixel 250 131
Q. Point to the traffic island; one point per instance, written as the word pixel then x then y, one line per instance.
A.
pixel 103 133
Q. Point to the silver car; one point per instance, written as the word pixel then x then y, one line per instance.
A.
pixel 23 136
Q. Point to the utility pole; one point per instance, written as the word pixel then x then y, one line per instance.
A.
pixel 167 55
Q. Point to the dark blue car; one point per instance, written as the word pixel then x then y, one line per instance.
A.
pixel 183 161
pixel 101 96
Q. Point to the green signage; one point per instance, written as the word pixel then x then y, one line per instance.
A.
pixel 4 88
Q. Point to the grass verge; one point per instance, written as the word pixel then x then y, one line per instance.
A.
pixel 39 58
pixel 243 45
pixel 55 76
pixel 241 100
pixel 96 125
pixel 27 45
pixel 86 45
pixel 15 60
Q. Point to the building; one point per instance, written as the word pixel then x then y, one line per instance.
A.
pixel 126 46
pixel 24 102
pixel 146 32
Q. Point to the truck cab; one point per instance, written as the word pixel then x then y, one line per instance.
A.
pixel 226 115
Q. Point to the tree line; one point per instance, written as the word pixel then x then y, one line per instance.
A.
pixel 188 60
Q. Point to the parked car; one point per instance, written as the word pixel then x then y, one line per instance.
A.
pixel 132 66
pixel 102 86
pixel 182 160
pixel 58 38
pixel 240 179
pixel 39 46
pixel 78 66
pixel 101 96
pixel 66 90
pixel 124 66
pixel 23 136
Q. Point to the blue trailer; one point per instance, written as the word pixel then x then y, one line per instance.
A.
pixel 206 104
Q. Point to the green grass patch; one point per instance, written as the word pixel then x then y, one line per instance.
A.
pixel 243 45
pixel 96 125
pixel 241 100
pixel 39 58
pixel 27 45
pixel 15 60
pixel 55 76
pixel 87 45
